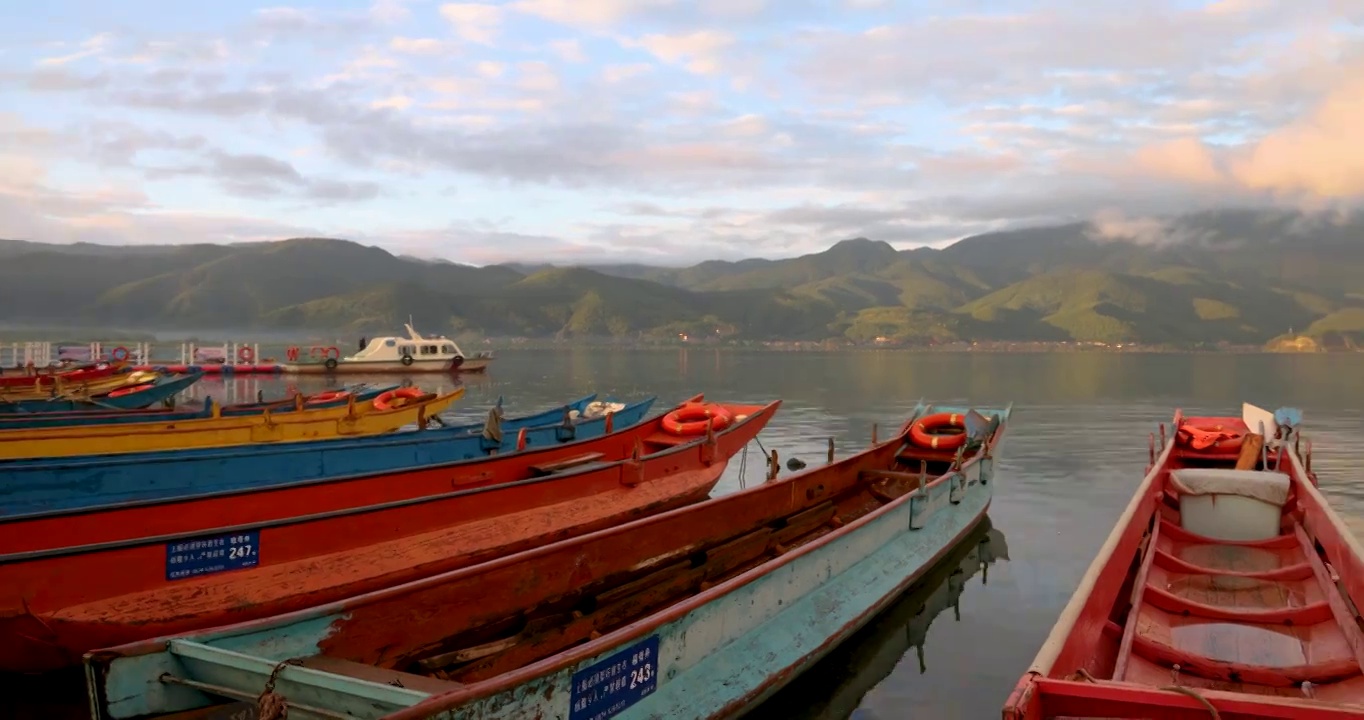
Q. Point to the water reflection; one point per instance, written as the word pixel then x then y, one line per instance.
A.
pixel 834 687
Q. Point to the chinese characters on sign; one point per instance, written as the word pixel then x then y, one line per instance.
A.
pixel 203 556
pixel 608 687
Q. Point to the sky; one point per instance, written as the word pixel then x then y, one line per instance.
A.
pixel 665 131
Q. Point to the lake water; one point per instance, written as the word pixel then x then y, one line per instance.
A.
pixel 1074 452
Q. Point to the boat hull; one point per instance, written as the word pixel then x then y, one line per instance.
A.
pixel 63 485
pixel 354 418
pixel 771 611
pixel 47 379
pixel 163 389
pixel 132 590
pixel 722 656
pixel 362 367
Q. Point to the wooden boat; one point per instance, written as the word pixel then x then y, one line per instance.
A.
pixel 61 387
pixel 1228 588
pixel 709 608
pixel 835 687
pixel 411 354
pixel 268 553
pixel 210 409
pixel 61 486
pixel 29 379
pixel 353 418
pixel 158 389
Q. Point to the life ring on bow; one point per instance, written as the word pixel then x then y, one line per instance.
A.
pixel 119 354
pixel 397 398
pixel 692 419
pixel 921 433
pixel 130 390
pixel 1208 435
pixel 245 354
pixel 326 397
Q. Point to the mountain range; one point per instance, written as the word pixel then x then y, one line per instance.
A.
pixel 1230 276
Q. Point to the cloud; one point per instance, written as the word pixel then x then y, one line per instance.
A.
pixel 420 46
pixel 93 46
pixel 475 22
pixel 568 50
pixel 700 51
pixel 661 129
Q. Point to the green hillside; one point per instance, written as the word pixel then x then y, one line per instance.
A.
pixel 1231 276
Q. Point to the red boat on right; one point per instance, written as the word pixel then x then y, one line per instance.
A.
pixel 1229 589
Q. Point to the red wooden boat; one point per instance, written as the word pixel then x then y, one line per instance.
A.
pixel 160 568
pixel 1228 589
pixel 46 378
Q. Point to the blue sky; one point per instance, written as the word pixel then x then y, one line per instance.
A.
pixel 664 131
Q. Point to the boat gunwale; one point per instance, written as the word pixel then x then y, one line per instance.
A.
pixel 152 502
pixel 623 635
pixel 31 555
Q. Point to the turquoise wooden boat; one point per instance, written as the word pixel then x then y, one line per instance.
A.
pixel 159 390
pixel 708 608
pixel 30 488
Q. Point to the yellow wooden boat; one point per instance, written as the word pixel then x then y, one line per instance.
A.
pixel 352 419
pixel 76 390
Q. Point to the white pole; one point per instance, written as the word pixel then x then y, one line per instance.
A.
pixel 255 353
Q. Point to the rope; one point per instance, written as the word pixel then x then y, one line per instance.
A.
pixel 1083 674
pixel 1193 694
pixel 272 706
pixel 743 467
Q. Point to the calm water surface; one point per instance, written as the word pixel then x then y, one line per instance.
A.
pixel 1074 452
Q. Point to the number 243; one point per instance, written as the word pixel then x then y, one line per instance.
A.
pixel 640 675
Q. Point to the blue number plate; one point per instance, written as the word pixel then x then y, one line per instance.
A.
pixel 608 687
pixel 208 555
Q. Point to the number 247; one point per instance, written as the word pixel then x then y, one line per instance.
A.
pixel 236 553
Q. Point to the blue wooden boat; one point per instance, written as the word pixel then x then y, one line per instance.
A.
pixel 117 417
pixel 711 607
pixel 30 488
pixel 158 390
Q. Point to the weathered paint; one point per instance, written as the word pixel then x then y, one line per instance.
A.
pixel 349 419
pixel 45 622
pixel 46 487
pixel 721 651
pixel 731 653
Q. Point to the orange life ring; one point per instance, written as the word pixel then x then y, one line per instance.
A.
pixel 921 436
pixel 292 353
pixel 119 354
pixel 326 397
pixel 130 390
pixel 692 418
pixel 246 354
pixel 317 351
pixel 386 400
pixel 1211 436
pixel 332 352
